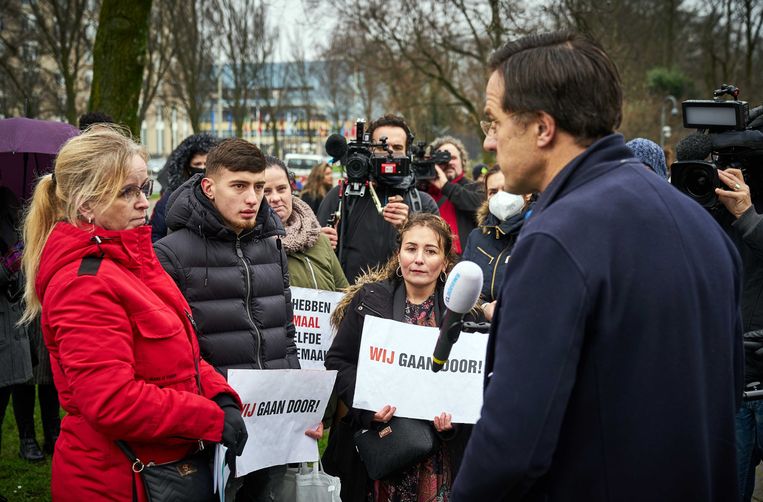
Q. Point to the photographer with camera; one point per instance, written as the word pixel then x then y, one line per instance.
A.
pixel 456 196
pixel 729 186
pixel 369 233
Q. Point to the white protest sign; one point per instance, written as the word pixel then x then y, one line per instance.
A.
pixel 312 311
pixel 279 406
pixel 395 367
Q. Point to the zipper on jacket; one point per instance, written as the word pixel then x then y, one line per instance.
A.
pixel 195 357
pixel 312 272
pixel 495 269
pixel 258 337
pixel 374 312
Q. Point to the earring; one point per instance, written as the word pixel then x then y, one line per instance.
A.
pixel 399 271
pixel 90 219
pixel 443 276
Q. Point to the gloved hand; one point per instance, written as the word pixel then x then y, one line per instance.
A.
pixel 234 429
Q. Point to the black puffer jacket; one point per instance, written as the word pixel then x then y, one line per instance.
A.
pixel 237 286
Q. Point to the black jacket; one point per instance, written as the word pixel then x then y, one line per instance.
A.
pixel 385 299
pixel 467 197
pixel 370 240
pixel 747 235
pixel 489 246
pixel 237 286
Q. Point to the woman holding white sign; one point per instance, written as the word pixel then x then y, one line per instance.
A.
pixel 408 289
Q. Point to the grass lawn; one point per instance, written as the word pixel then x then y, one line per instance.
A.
pixel 19 479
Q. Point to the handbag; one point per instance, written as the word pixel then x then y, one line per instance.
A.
pixel 394 446
pixel 310 484
pixel 186 480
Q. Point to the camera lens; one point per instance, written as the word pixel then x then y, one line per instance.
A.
pixel 699 184
pixel 698 180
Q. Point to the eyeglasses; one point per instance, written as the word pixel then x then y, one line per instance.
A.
pixel 488 127
pixel 134 191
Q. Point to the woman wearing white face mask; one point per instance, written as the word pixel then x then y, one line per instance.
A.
pixel 499 221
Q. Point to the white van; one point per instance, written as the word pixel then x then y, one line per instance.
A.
pixel 301 164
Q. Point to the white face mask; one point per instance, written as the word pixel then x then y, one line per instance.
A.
pixel 504 205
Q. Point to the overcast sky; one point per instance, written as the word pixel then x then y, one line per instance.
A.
pixel 296 24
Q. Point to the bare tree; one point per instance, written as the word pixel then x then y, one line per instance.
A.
pixel 160 53
pixel 22 83
pixel 247 43
pixel 66 29
pixel 273 85
pixel 194 72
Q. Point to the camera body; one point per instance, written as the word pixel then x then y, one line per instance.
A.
pixel 727 137
pixel 423 166
pixel 363 163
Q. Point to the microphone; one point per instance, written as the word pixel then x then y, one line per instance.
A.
pixel 694 147
pixel 462 290
pixel 336 146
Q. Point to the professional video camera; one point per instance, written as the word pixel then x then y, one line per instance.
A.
pixel 729 134
pixel 363 162
pixel 423 166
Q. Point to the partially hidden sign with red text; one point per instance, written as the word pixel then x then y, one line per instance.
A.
pixel 313 332
pixel 395 368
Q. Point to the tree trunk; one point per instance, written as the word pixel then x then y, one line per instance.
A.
pixel 119 57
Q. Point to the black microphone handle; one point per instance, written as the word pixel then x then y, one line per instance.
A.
pixel 449 332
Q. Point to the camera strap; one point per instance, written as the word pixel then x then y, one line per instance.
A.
pixel 415 200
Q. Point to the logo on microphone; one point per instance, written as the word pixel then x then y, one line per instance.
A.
pixel 449 291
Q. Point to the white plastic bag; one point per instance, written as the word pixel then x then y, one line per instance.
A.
pixel 313 484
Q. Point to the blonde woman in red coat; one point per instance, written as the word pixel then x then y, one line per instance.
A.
pixel 121 338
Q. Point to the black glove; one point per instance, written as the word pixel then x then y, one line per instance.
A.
pixel 234 429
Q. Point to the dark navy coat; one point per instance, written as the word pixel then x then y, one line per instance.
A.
pixel 615 369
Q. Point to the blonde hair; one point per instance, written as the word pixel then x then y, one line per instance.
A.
pixel 90 168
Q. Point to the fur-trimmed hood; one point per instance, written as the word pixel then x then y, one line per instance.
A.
pixel 378 274
pixel 175 173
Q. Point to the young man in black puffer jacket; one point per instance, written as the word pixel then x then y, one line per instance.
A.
pixel 225 255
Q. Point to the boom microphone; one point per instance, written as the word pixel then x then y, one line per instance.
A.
pixel 336 146
pixel 694 147
pixel 462 290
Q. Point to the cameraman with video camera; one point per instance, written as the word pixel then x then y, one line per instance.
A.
pixel 369 234
pixel 456 196
pixel 732 195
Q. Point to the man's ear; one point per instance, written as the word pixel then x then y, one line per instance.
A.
pixel 546 129
pixel 208 187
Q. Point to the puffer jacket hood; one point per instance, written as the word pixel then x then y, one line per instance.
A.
pixel 174 172
pixel 189 208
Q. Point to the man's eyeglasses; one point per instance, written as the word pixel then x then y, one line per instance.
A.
pixel 488 127
pixel 134 191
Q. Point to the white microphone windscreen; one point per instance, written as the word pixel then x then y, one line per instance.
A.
pixel 463 287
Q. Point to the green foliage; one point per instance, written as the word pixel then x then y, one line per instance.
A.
pixel 19 479
pixel 672 81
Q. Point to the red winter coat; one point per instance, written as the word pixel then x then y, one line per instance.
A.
pixel 124 357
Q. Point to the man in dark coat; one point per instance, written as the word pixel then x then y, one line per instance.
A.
pixel 614 363
pixel 225 255
pixel 370 237
pixel 458 198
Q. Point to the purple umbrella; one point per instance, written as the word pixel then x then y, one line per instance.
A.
pixel 27 150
